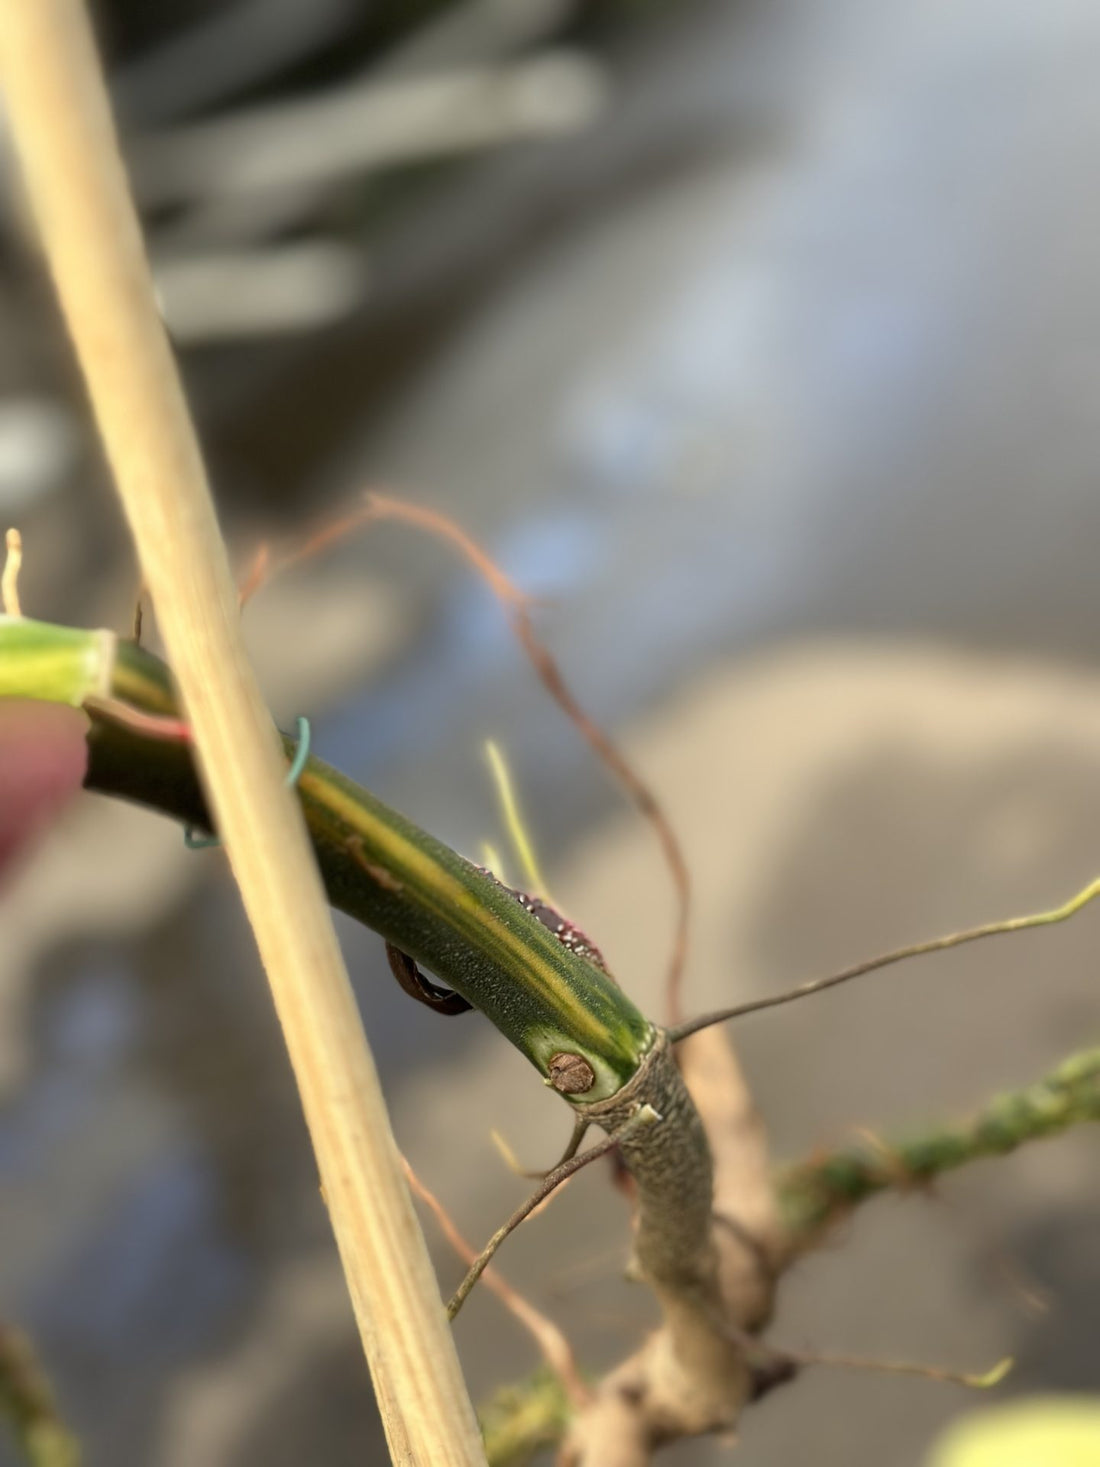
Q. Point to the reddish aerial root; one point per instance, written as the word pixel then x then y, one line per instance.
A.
pixel 517 605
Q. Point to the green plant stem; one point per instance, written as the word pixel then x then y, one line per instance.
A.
pixel 433 904
pixel 440 909
pixel 56 664
pixel 382 869
pixel 521 1419
pixel 27 1402
pixel 820 1191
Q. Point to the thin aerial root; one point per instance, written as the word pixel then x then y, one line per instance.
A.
pixel 982 1381
pixel 916 950
pixel 266 565
pixel 9 581
pixel 137 623
pixel 645 1116
pixel 580 1131
pixel 523 846
pixel 380 506
pixel 148 725
pixel 518 607
pixel 645 801
pixel 412 981
pixel 511 1161
pixel 555 1348
pixel 493 862
pixel 777 1364
pixel 258 572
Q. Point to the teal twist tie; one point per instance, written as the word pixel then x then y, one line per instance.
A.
pixel 195 842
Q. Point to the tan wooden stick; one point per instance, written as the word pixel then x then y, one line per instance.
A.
pixel 65 139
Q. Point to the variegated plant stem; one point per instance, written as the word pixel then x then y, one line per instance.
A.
pixel 377 866
pixel 821 1191
pixel 459 922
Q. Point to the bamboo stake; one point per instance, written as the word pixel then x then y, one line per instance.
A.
pixel 65 138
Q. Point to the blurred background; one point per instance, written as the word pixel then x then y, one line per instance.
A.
pixel 761 339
